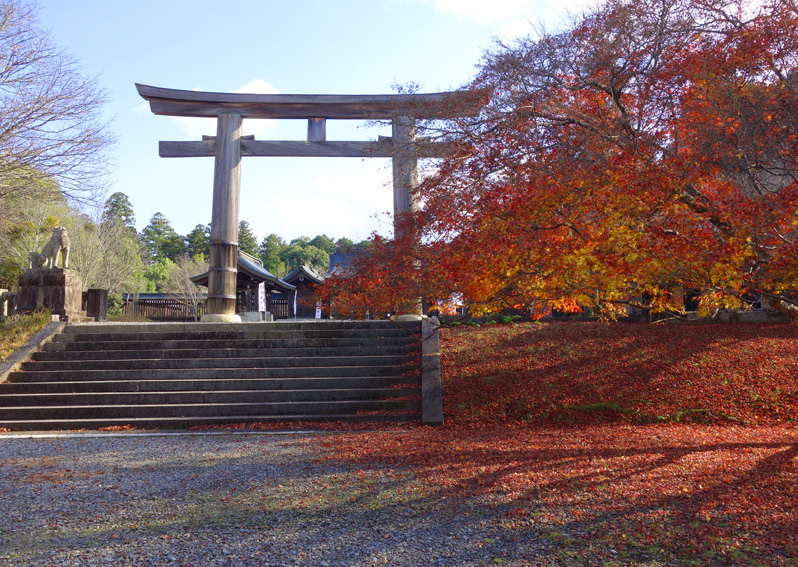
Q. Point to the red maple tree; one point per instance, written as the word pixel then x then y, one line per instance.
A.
pixel 649 146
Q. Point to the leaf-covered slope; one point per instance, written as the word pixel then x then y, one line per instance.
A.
pixel 593 372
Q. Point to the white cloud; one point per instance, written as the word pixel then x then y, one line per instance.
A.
pixel 258 86
pixel 258 128
pixel 194 128
pixel 260 233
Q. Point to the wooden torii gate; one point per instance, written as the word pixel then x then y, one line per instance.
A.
pixel 228 146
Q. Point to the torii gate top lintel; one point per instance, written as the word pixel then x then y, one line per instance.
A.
pixel 176 102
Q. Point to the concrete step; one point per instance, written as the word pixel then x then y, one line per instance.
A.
pixel 185 374
pixel 189 327
pixel 187 422
pixel 168 354
pixel 120 411
pixel 231 335
pixel 209 385
pixel 204 363
pixel 202 397
pixel 206 373
pixel 334 342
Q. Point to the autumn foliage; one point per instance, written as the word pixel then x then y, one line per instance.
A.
pixel 650 146
pixel 581 374
pixel 631 496
pixel 622 444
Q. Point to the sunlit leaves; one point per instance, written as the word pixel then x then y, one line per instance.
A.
pixel 650 146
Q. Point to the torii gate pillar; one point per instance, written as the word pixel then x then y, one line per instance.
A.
pixel 405 165
pixel 224 220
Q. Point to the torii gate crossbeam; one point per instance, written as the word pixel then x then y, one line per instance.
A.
pixel 228 146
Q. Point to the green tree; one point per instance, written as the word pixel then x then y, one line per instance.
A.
pixel 160 241
pixel 157 275
pixel 198 242
pixel 270 251
pixel 118 206
pixel 343 244
pixel 295 255
pixel 324 242
pixel 247 241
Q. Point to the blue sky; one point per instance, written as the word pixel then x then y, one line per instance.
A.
pixel 287 47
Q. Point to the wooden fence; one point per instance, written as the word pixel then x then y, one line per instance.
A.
pixel 164 309
pixel 177 309
pixel 281 309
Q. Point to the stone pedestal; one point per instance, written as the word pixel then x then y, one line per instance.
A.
pixel 55 288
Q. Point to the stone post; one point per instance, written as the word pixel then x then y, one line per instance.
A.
pixel 431 390
pixel 3 303
pixel 224 221
pixel 97 304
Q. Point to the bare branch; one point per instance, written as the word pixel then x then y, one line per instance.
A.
pixel 51 123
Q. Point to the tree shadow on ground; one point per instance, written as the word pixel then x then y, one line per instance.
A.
pixel 697 495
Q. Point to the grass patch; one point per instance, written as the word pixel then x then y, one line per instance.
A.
pixel 17 329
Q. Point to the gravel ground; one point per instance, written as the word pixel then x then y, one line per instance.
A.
pixel 231 499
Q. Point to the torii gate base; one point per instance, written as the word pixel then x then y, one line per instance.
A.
pixel 228 147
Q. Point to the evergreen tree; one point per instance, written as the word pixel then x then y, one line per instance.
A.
pixel 198 242
pixel 295 255
pixel 343 245
pixel 160 241
pixel 118 206
pixel 270 250
pixel 324 242
pixel 247 241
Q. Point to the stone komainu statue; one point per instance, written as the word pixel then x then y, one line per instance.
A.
pixel 59 244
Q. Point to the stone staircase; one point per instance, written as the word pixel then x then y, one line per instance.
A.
pixel 179 375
